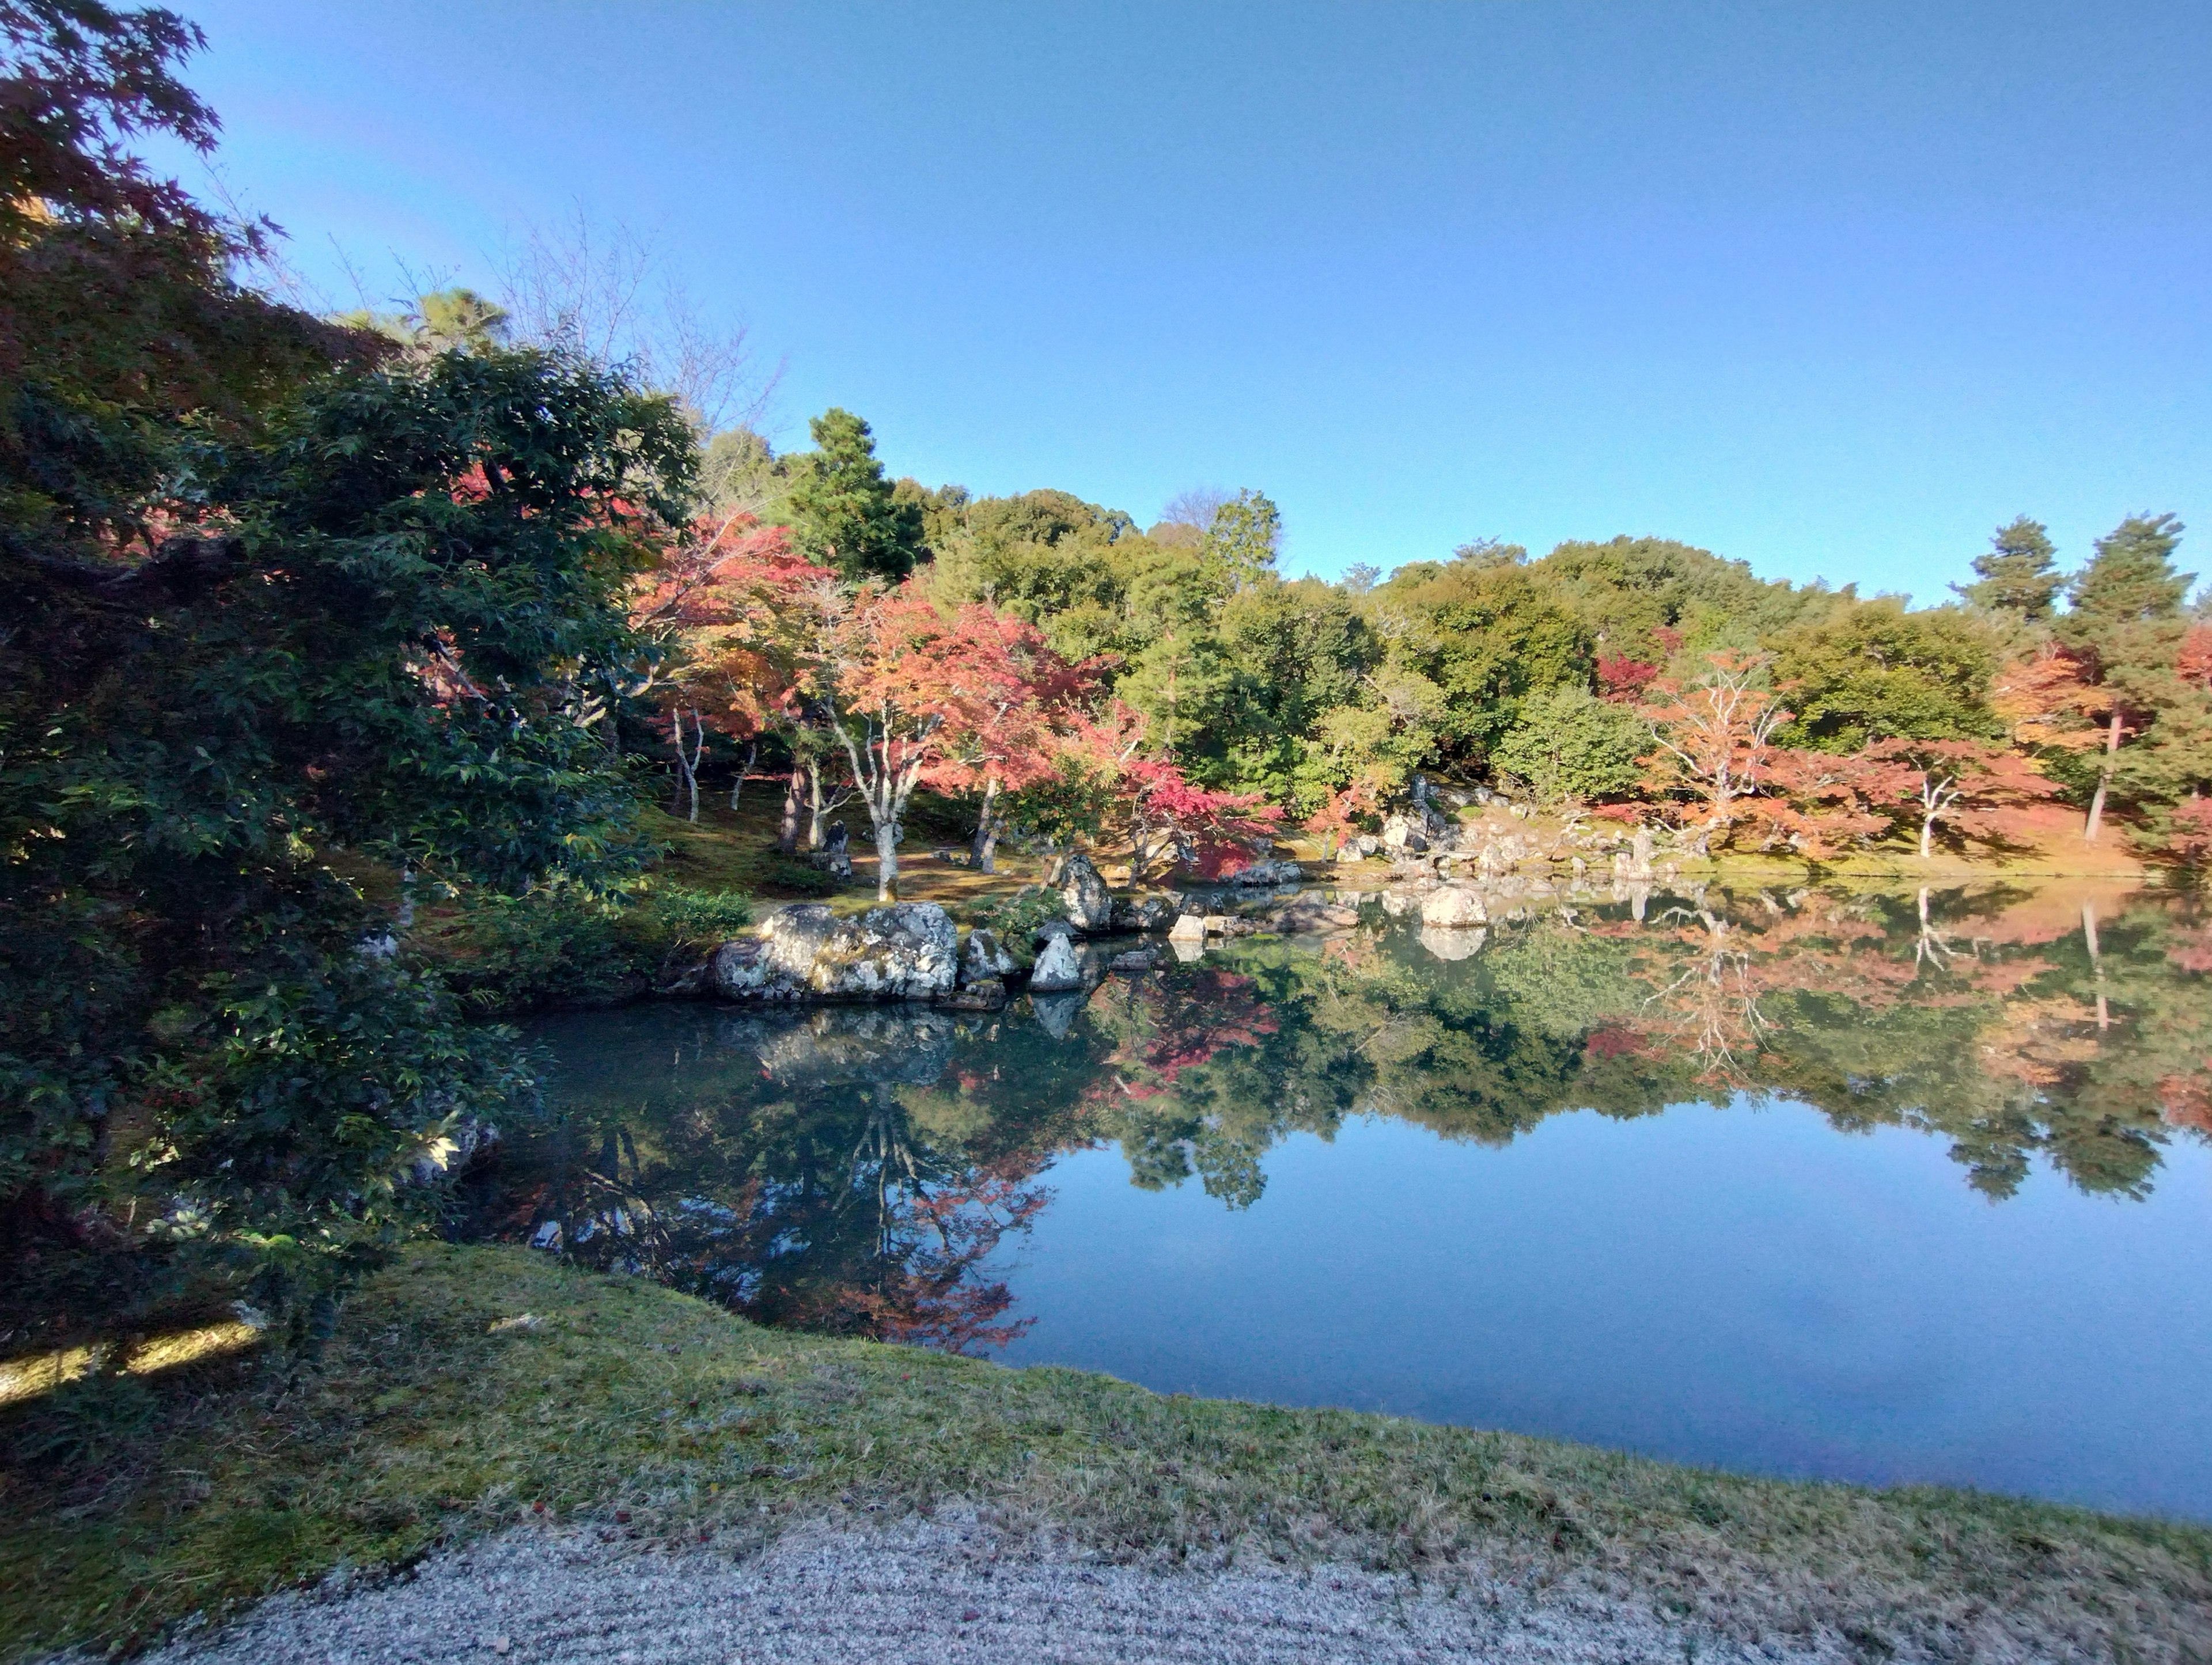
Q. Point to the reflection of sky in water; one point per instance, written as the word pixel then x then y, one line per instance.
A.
pixel 1751 1286
pixel 1742 1288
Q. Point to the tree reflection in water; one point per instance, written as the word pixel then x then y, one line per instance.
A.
pixel 860 1170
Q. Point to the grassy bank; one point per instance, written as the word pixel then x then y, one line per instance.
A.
pixel 433 1415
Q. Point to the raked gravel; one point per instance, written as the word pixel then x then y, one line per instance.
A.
pixel 949 1589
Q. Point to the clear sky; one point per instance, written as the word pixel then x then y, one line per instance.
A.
pixel 1832 288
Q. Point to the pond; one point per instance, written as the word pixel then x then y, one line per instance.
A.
pixel 1880 1187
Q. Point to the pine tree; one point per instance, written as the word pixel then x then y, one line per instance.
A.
pixel 2125 618
pixel 848 516
pixel 2019 574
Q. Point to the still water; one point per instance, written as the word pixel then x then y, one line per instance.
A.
pixel 1877 1188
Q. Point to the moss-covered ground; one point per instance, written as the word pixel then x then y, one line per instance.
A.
pixel 469 1387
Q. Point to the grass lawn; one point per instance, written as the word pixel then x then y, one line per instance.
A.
pixel 614 1403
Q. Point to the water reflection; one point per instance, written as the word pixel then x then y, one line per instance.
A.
pixel 859 1170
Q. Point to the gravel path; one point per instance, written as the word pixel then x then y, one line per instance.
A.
pixel 948 1589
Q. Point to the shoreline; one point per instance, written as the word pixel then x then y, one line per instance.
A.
pixel 472 1390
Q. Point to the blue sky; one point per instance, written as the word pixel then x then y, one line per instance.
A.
pixel 1833 289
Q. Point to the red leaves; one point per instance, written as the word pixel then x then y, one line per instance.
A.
pixel 1621 678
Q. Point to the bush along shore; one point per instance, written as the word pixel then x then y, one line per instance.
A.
pixel 469 1389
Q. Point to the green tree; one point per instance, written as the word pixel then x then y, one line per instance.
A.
pixel 2020 576
pixel 1242 542
pixel 846 514
pixel 273 618
pixel 1569 743
pixel 2125 615
pixel 1875 671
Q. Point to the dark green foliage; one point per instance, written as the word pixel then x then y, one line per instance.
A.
pixel 2020 576
pixel 1874 671
pixel 2130 581
pixel 275 614
pixel 1569 743
pixel 568 945
pixel 1486 635
pixel 847 515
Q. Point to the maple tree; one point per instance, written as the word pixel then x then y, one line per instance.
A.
pixel 721 616
pixel 912 695
pixel 1715 735
pixel 1346 807
pixel 1975 787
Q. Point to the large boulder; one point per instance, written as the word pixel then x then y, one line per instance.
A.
pixel 1089 904
pixel 1454 907
pixel 906 951
pixel 1269 873
pixel 1057 969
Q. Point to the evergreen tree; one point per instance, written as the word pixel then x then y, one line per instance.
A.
pixel 2129 582
pixel 847 515
pixel 2125 618
pixel 2019 574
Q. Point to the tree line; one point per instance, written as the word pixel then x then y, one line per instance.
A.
pixel 1168 685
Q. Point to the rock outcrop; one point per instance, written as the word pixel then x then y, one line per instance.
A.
pixel 906 951
pixel 1089 904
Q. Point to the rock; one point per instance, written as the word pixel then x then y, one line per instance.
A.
pixel 905 1045
pixel 1402 836
pixel 1138 959
pixel 1056 968
pixel 985 959
pixel 1190 927
pixel 906 951
pixel 1090 905
pixel 1454 907
pixel 1399 903
pixel 1153 914
pixel 976 995
pixel 1368 844
pixel 1448 943
pixel 1304 917
pixel 1269 873
pixel 1056 1012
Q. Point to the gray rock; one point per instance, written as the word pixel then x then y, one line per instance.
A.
pixel 906 951
pixel 1153 914
pixel 1090 905
pixel 1403 836
pixel 1056 1012
pixel 1056 968
pixel 985 959
pixel 1270 872
pixel 978 994
pixel 1139 959
pixel 1447 943
pixel 1454 907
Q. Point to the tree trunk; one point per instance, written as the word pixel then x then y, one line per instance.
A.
pixel 1927 837
pixel 887 860
pixel 816 809
pixel 2096 962
pixel 2104 780
pixel 745 768
pixel 987 832
pixel 787 832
